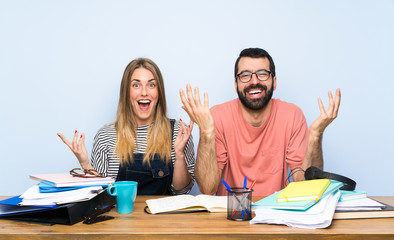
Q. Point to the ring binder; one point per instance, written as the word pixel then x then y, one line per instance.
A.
pixel 67 214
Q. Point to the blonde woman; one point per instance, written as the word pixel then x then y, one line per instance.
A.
pixel 143 144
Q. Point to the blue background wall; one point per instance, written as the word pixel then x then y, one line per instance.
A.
pixel 61 63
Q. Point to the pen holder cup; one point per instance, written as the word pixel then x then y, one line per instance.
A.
pixel 125 192
pixel 239 204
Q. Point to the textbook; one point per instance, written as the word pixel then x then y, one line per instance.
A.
pixel 303 190
pixel 67 180
pixel 187 203
pixel 271 201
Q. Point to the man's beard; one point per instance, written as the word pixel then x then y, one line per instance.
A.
pixel 258 103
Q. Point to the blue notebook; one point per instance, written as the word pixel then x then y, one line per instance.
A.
pixel 272 202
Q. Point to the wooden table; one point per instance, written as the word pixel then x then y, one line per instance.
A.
pixel 139 225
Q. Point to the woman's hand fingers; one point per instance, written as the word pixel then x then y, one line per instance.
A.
pixel 65 140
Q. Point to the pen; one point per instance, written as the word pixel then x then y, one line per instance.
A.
pixel 227 186
pixel 252 185
pixel 243 211
pixel 240 202
pixel 229 189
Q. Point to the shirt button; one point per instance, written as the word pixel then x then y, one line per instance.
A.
pixel 161 173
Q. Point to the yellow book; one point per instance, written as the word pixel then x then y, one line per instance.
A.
pixel 303 190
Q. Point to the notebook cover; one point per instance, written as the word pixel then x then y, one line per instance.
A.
pixel 304 190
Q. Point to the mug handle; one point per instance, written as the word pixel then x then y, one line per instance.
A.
pixel 109 191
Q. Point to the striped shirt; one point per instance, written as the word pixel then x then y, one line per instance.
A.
pixel 105 161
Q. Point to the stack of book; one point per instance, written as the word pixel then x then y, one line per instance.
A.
pixel 61 188
pixel 305 204
pixel 314 203
pixel 59 199
pixel 356 204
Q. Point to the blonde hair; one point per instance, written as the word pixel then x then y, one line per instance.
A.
pixel 159 133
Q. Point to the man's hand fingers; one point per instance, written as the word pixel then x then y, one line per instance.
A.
pixel 321 107
pixel 206 100
pixel 186 105
pixel 337 102
pixel 330 108
pixel 190 97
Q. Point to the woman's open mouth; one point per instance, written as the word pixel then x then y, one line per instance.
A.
pixel 144 104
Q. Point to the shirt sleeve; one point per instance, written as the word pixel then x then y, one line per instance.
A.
pixel 102 153
pixel 189 158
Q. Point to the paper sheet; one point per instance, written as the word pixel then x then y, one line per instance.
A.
pixel 318 216
pixel 32 196
pixel 359 204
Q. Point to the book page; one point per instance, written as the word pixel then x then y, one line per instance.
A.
pixel 213 203
pixel 32 196
pixel 173 203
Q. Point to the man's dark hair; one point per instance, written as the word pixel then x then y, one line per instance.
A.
pixel 255 53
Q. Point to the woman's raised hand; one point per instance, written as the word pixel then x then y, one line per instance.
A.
pixel 77 146
pixel 182 138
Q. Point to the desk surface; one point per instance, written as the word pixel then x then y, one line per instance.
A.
pixel 139 225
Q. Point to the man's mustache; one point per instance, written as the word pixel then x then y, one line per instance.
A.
pixel 255 86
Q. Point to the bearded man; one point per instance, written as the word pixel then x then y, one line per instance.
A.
pixel 255 135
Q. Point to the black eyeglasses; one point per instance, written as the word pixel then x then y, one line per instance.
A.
pixel 262 75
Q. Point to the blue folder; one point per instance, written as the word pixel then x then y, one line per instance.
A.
pixel 10 206
pixel 47 188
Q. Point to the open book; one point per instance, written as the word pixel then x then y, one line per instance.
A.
pixel 188 203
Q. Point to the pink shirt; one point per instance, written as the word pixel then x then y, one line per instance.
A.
pixel 262 153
